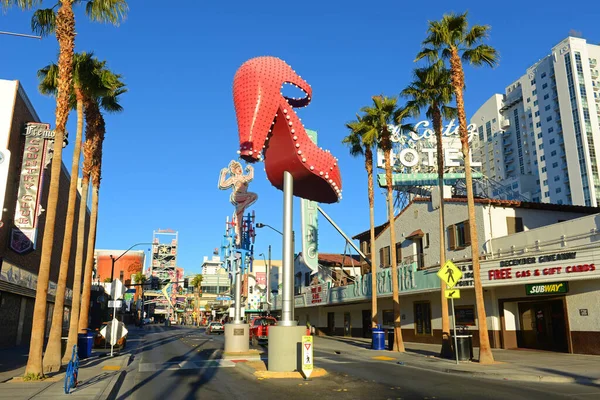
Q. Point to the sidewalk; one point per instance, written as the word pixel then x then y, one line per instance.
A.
pixel 98 375
pixel 514 365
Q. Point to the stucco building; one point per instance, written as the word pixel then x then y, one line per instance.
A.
pixel 25 165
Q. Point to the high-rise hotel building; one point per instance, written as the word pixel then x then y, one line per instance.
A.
pixel 541 138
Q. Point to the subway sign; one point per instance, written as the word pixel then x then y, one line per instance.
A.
pixel 546 288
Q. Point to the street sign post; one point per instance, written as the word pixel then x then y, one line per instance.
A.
pixel 450 275
pixel 116 292
pixel 307 356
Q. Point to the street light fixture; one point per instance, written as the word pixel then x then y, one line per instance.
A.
pixel 114 260
pixel 261 225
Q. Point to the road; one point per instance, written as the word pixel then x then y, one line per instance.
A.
pixel 181 363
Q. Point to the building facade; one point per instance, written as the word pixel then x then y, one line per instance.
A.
pixel 541 138
pixel 25 166
pixel 125 267
pixel 502 229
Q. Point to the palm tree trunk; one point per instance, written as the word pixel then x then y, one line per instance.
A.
pixel 369 167
pixel 74 321
pixel 398 342
pixel 89 263
pixel 94 125
pixel 65 34
pixel 52 356
pixel 485 351
pixel 437 127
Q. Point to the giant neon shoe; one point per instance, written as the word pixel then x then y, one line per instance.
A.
pixel 269 127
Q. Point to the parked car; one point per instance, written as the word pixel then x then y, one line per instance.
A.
pixel 215 327
pixel 259 329
pixel 100 341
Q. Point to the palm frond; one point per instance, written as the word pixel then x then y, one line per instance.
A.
pixel 111 11
pixel 43 21
pixel 476 34
pixel 22 4
pixel 482 54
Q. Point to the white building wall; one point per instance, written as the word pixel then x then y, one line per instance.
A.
pixel 540 152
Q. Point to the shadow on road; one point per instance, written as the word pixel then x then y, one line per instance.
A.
pixel 203 374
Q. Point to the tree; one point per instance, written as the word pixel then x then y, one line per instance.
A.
pixel 360 143
pixel 92 159
pixel 430 92
pixel 452 39
pixel 83 79
pixel 378 118
pixel 197 281
pixel 62 23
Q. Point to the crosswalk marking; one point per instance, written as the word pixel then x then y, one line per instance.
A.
pixel 332 361
pixel 184 365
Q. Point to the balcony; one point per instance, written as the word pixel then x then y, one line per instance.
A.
pixel 595 73
pixel 510 168
pixel 507 142
pixel 509 160
pixel 593 62
pixel 505 123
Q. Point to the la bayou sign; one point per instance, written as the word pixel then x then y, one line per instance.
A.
pixel 416 148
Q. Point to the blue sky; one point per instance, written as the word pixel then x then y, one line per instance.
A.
pixel 163 155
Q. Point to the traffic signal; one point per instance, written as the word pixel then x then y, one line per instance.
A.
pixel 185 283
pixel 154 283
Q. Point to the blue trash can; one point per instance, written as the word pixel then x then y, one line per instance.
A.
pixel 378 341
pixel 85 342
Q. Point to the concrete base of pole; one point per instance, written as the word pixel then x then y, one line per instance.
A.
pixel 283 347
pixel 236 338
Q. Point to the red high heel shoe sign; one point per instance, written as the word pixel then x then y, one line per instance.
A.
pixel 269 128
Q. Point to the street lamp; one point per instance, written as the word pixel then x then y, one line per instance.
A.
pixel 114 260
pixel 20 34
pixel 261 225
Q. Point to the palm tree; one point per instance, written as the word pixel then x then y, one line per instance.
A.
pixel 83 79
pixel 62 23
pixel 197 281
pixel 360 143
pixel 92 169
pixel 452 39
pixel 378 118
pixel 197 284
pixel 431 91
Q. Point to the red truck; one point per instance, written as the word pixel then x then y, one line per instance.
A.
pixel 259 329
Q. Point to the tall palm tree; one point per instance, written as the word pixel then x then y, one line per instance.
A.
pixel 83 79
pixel 431 92
pixel 62 24
pixel 92 159
pixel 452 39
pixel 197 284
pixel 360 143
pixel 378 118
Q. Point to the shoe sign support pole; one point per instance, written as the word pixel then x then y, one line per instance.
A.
pixel 238 293
pixel 287 305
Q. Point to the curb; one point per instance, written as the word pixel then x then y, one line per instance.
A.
pixel 114 385
pixel 253 373
pixel 506 377
pixel 486 375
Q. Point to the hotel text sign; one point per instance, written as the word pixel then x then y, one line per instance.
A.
pixel 30 185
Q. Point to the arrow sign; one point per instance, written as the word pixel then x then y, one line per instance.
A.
pixel 452 293
pixel 450 274
pixel 307 356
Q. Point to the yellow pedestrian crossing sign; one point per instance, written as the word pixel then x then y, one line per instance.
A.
pixel 450 274
pixel 452 293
